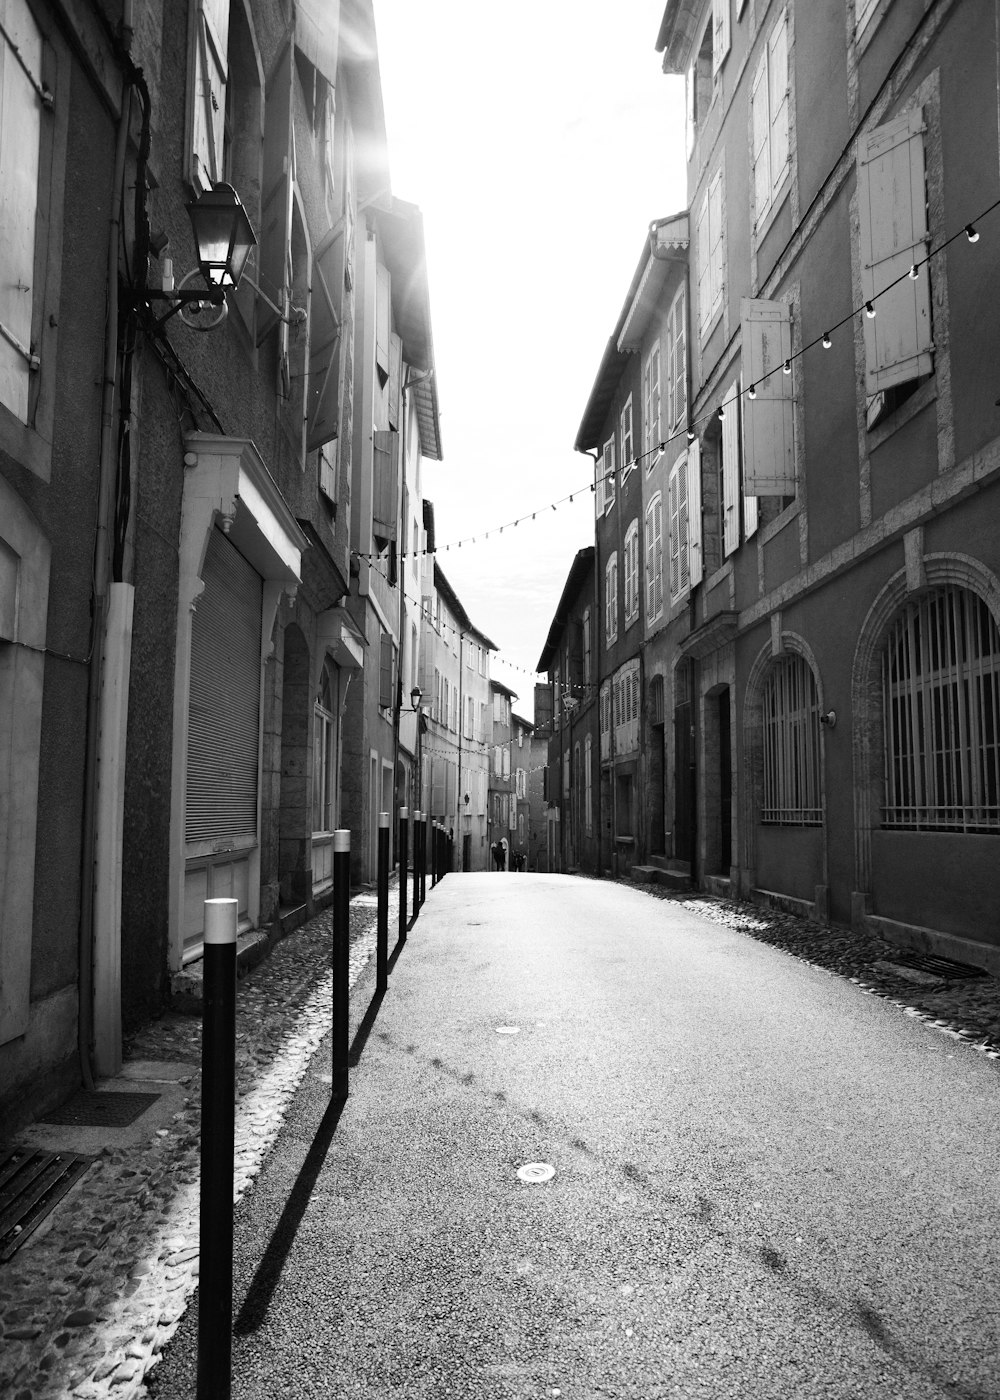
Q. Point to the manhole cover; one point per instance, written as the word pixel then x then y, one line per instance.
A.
pixel 31 1183
pixel 93 1109
pixel 535 1172
pixel 508 1030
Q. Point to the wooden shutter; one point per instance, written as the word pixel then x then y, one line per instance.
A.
pixel 768 445
pixel 383 321
pixel 20 138
pixel 892 213
pixel 208 71
pixel 691 80
pixel 323 411
pixel 704 265
pixel 696 565
pixel 276 200
pixel 610 471
pixel 760 145
pixel 777 84
pixel 731 473
pixel 384 506
pixel 224 700
pixel 721 33
pixel 716 223
pixel 677 368
pixel 395 378
pixel 385 672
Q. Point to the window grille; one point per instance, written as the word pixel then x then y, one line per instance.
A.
pixel 792 786
pixel 941 714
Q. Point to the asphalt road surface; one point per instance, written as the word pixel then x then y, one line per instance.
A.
pixel 766 1183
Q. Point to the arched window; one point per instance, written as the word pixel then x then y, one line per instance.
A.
pixel 323 756
pixel 941 707
pixel 792 783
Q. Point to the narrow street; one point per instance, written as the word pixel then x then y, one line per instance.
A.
pixel 765 1182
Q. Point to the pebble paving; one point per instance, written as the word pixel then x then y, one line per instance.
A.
pixel 88 1304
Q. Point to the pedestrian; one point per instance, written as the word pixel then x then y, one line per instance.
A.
pixel 497 850
pixel 503 853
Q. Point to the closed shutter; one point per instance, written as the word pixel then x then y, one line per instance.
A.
pixel 721 33
pixel 716 222
pixel 892 217
pixel 276 200
pixel 384 486
pixel 323 413
pixel 385 672
pixel 760 145
pixel 768 446
pixel 20 135
pixel 777 61
pixel 208 70
pixel 395 378
pixel 704 265
pixel 224 702
pixel 731 473
pixel 383 320
pixel 695 559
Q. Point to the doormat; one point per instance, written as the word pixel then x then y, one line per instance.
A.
pixel 939 967
pixel 31 1184
pixel 91 1108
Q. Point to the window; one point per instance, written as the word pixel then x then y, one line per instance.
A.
pixel 631 565
pixel 386 670
pixel 611 600
pixel 893 234
pixel 626 708
pixel 768 445
pixel 470 716
pixel 734 503
pixel 652 434
pixel 941 698
pixel 654 559
pixel 505 755
pixel 769 119
pixel 677 361
pixel 20 163
pixel 565 773
pixel 606 479
pixel 585 629
pixel 677 503
pixel 628 447
pixel 792 786
pixel 323 757
pixel 711 254
pixel 605 708
pixel 699 85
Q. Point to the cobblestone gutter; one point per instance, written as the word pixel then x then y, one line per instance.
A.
pixel 89 1302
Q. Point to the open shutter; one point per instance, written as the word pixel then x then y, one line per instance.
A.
pixel 768 451
pixel 395 378
pixel 323 412
pixel 716 225
pixel 383 319
pixel 208 73
pixel 689 113
pixel 721 34
pixel 892 213
pixel 704 265
pixel 20 136
pixel 609 474
pixel 384 506
pixel 760 145
pixel 385 671
pixel 731 474
pixel 276 201
pixel 777 59
pixel 695 562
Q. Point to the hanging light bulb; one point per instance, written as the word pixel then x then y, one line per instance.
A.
pixel 827 342
pixel 722 411
pixel 571 500
pixel 971 234
pixel 752 391
pixel 914 272
pixel 690 434
pixel 786 368
pixel 870 310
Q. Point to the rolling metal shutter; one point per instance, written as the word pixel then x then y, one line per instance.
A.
pixel 225 699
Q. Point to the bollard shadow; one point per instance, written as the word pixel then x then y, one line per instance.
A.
pixel 265 1280
pixel 364 1030
pixel 394 956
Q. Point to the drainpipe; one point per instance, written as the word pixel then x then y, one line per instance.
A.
pixel 102 552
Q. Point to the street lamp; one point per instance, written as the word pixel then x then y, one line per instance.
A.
pixel 416 695
pixel 224 239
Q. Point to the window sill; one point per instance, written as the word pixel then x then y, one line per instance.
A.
pixel 916 403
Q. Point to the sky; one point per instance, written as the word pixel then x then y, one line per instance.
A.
pixel 538 149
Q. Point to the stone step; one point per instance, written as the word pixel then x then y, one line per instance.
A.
pixel 657 875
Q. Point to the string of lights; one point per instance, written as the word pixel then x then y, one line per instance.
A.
pixel 969 230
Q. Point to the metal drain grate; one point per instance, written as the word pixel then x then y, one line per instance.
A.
pixel 31 1184
pixel 938 967
pixel 93 1109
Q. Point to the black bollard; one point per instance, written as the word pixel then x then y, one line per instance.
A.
pixel 404 831
pixel 418 823
pixel 341 962
pixel 382 931
pixel 423 863
pixel 218 1132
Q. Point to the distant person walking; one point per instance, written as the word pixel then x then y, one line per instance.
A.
pixel 497 850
